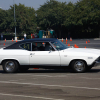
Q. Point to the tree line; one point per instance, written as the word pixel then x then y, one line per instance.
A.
pixel 76 20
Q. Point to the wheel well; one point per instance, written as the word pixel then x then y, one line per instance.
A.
pixel 9 59
pixel 76 60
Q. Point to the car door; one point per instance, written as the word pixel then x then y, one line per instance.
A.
pixel 44 54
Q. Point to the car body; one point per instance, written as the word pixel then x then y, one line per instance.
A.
pixel 47 53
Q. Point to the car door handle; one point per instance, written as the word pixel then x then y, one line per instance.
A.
pixel 32 53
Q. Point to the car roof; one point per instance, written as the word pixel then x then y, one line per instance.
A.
pixel 39 39
pixel 16 45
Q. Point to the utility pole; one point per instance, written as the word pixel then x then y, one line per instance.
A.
pixel 15 21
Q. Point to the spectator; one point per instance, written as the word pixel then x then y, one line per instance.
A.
pixel 24 36
pixel 35 35
pixel 1 36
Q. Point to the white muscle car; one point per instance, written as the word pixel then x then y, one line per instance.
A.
pixel 46 53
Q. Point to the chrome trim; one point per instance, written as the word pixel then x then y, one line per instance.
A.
pixel 53 46
pixel 31 46
pixel 10 65
pixel 79 65
pixel 38 42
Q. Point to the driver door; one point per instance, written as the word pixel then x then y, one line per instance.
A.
pixel 44 54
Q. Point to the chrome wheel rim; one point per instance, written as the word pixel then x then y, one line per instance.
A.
pixel 10 66
pixel 79 66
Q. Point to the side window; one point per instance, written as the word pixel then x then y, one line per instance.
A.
pixel 26 46
pixel 48 47
pixel 37 46
pixel 41 46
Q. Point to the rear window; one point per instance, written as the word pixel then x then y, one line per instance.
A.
pixel 26 46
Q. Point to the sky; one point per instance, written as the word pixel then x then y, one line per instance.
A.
pixel 5 4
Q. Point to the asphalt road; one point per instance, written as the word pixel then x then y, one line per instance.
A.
pixel 38 84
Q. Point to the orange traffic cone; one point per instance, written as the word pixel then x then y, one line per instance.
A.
pixel 76 46
pixel 86 42
pixel 68 44
pixel 70 39
pixel 4 44
pixel 85 47
pixel 89 41
pixel 66 39
pixel 12 39
pixel 5 39
pixel 62 39
pixel 16 40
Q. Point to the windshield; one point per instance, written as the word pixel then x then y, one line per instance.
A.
pixel 59 45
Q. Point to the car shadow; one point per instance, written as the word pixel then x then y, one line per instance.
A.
pixel 52 71
pixel 93 71
pixel 41 71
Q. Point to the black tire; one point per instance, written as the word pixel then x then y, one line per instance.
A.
pixel 23 69
pixel 78 66
pixel 10 66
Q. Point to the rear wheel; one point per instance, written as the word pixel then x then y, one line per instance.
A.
pixel 10 66
pixel 78 66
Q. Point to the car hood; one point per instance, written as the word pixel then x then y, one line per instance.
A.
pixel 83 51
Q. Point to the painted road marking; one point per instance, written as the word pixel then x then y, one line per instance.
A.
pixel 29 96
pixel 90 78
pixel 47 85
pixel 13 80
pixel 48 75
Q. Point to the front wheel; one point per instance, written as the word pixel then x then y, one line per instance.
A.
pixel 10 66
pixel 78 66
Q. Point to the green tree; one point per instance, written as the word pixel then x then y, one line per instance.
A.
pixel 3 18
pixel 25 19
pixel 69 21
pixel 51 15
pixel 87 16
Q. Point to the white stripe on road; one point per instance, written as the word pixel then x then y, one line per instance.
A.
pixel 29 96
pixel 47 85
pixel 90 78
pixel 13 80
pixel 48 75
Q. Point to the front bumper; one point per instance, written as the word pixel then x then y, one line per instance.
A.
pixel 97 61
pixel 97 64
